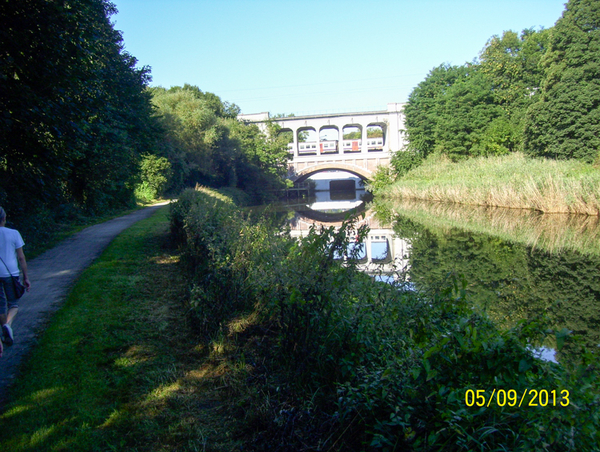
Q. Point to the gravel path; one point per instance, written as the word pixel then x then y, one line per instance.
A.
pixel 52 275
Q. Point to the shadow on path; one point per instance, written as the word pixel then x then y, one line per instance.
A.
pixel 52 274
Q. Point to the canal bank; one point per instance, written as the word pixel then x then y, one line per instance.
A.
pixel 513 181
pixel 335 346
pixel 280 346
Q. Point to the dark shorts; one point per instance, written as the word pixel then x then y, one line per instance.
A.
pixel 8 299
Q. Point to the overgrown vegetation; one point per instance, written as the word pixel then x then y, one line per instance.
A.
pixel 206 144
pixel 284 347
pixel 534 92
pixel 340 362
pixel 119 368
pixel 82 134
pixel 315 355
pixel 76 116
pixel 513 181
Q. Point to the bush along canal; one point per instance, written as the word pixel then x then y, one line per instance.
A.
pixel 335 360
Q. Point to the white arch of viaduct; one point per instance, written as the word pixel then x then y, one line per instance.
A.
pixel 363 163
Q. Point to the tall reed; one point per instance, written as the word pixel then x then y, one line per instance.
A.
pixel 512 181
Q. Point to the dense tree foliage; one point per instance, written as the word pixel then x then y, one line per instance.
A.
pixel 477 109
pixel 81 132
pixel 206 144
pixel 565 122
pixel 537 92
pixel 75 112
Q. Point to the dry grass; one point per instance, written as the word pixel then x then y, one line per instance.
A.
pixel 512 181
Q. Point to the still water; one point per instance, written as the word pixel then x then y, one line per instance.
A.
pixel 517 264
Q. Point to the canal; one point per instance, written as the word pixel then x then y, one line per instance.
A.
pixel 517 265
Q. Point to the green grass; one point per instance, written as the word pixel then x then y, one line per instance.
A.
pixel 118 368
pixel 63 230
pixel 513 181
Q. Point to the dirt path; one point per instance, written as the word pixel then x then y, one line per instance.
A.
pixel 52 274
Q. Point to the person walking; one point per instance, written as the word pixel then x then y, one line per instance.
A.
pixel 11 253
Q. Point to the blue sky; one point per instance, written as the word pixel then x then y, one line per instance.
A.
pixel 309 56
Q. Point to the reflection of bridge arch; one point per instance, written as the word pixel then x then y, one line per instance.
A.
pixel 328 217
pixel 385 252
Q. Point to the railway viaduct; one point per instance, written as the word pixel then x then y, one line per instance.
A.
pixel 361 159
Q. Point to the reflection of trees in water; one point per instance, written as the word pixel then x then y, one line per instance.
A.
pixel 550 232
pixel 510 281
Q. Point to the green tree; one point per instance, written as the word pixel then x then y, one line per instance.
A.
pixel 478 108
pixel 75 113
pixel 423 107
pixel 265 156
pixel 356 135
pixel 466 111
pixel 450 111
pixel 155 177
pixel 511 64
pixel 191 131
pixel 374 132
pixel 565 122
pixel 207 144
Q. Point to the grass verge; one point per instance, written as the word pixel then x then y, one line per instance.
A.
pixel 119 368
pixel 513 181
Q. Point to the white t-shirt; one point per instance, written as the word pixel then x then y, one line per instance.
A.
pixel 10 241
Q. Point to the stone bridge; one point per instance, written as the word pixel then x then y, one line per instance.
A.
pixel 318 142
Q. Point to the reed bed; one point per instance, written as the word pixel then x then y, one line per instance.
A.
pixel 513 181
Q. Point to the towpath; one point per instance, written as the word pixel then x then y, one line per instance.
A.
pixel 52 274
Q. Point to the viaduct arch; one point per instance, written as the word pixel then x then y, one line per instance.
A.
pixel 360 156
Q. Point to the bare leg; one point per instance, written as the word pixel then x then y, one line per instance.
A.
pixel 6 321
pixel 12 312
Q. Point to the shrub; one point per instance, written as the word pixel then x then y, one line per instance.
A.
pixel 342 362
pixel 404 161
pixel 155 175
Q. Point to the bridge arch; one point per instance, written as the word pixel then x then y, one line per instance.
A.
pixel 305 173
pixel 330 128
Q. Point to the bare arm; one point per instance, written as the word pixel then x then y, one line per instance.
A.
pixel 23 265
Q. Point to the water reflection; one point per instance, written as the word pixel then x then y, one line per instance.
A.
pixel 382 253
pixel 518 265
pixel 549 232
